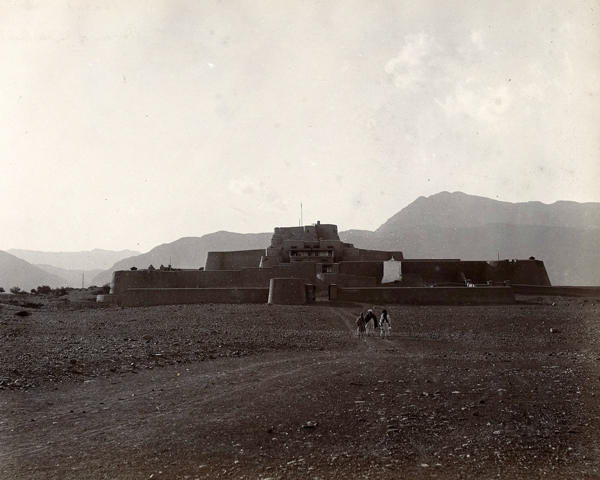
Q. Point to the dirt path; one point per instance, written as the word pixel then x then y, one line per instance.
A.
pixel 433 401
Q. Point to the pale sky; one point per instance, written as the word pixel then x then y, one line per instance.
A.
pixel 128 124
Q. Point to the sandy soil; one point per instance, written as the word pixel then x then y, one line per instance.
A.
pixel 258 391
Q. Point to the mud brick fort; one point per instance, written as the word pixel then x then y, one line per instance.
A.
pixel 308 263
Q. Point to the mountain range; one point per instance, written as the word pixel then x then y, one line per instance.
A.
pixel 565 235
pixel 96 259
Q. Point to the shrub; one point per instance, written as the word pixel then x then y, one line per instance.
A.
pixel 44 290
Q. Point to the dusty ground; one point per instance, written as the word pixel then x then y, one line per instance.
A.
pixel 258 391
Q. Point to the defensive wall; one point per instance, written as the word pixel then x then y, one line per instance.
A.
pixel 142 297
pixel 315 257
pixel 352 254
pixel 556 291
pixel 287 291
pixel 362 269
pixel 424 295
pixel 233 260
pixel 125 280
pixel 345 280
pixel 529 272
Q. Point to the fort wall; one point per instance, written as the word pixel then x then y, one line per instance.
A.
pixel 313 257
pixel 433 271
pixel 287 291
pixel 365 269
pixel 142 297
pixel 425 295
pixel 556 291
pixel 233 260
pixel 348 280
pixel 360 255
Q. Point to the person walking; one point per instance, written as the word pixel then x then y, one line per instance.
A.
pixel 360 325
pixel 371 320
pixel 385 325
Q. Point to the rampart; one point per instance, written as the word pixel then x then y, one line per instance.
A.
pixel 347 280
pixel 142 297
pixel 360 255
pixel 556 291
pixel 125 280
pixel 362 269
pixel 314 255
pixel 287 291
pixel 529 272
pixel 424 295
pixel 233 260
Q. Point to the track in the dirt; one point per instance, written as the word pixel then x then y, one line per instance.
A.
pixel 459 392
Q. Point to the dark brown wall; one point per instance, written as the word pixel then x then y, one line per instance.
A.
pixel 123 280
pixel 426 295
pixel 233 260
pixel 348 280
pixel 360 255
pixel 365 269
pixel 432 271
pixel 176 296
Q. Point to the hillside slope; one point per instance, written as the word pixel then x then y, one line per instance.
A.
pixel 571 255
pixel 189 252
pixel 73 277
pixel 15 272
pixel 565 235
pixel 96 259
pixel 457 209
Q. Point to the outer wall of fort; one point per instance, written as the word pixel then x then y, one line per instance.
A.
pixel 313 259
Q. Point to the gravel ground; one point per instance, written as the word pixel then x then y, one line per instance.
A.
pixel 259 391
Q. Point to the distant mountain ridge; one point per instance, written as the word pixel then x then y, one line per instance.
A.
pixel 571 255
pixel 457 210
pixel 96 259
pixel 15 272
pixel 189 252
pixel 74 278
pixel 565 235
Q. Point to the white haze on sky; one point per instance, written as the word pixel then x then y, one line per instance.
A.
pixel 127 124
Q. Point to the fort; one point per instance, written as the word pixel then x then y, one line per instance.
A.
pixel 308 263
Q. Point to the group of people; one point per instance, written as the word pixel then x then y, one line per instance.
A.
pixel 366 325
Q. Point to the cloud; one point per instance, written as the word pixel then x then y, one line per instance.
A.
pixel 255 194
pixel 476 38
pixel 414 63
pixel 460 76
pixel 478 101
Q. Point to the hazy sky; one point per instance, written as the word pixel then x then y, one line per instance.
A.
pixel 129 124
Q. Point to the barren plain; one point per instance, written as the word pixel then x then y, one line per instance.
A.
pixel 259 391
